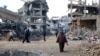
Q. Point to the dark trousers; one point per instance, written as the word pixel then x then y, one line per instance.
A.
pixel 11 38
pixel 61 46
pixel 44 38
pixel 26 39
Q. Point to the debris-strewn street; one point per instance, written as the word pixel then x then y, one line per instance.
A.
pixel 48 48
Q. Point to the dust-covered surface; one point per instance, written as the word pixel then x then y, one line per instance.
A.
pixel 48 48
pixel 89 49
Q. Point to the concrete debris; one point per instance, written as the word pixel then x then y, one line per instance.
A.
pixel 90 49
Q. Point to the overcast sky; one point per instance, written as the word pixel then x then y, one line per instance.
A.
pixel 56 7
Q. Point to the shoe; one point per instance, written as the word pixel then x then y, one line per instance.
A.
pixel 62 51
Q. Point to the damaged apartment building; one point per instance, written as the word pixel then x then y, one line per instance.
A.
pixel 35 13
pixel 85 16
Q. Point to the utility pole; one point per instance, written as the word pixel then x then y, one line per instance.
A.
pixel 71 13
pixel 71 10
pixel 78 21
pixel 85 8
pixel 99 2
pixel 99 6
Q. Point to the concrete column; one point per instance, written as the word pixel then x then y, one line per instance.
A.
pixel 98 25
pixel 44 21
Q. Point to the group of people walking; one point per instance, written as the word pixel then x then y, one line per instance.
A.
pixel 26 35
pixel 61 38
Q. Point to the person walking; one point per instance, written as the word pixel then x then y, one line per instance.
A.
pixel 61 39
pixel 44 35
pixel 56 33
pixel 26 37
pixel 11 35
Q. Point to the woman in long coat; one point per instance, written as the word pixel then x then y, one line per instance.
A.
pixel 61 39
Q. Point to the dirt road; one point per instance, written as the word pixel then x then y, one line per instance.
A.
pixel 48 48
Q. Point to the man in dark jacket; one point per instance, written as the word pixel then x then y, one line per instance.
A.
pixel 61 39
pixel 27 34
pixel 56 33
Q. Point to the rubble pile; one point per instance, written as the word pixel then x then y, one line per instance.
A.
pixel 89 49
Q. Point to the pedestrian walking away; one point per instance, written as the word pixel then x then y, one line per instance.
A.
pixel 61 40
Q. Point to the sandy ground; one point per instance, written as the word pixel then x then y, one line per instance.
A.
pixel 48 48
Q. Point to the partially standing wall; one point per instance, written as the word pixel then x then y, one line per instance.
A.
pixel 98 26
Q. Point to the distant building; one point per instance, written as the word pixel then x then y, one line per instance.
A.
pixel 33 11
pixel 85 17
pixel 6 14
pixel 56 23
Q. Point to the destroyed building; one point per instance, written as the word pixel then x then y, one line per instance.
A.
pixel 56 23
pixel 8 17
pixel 6 14
pixel 33 11
pixel 10 20
pixel 85 16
